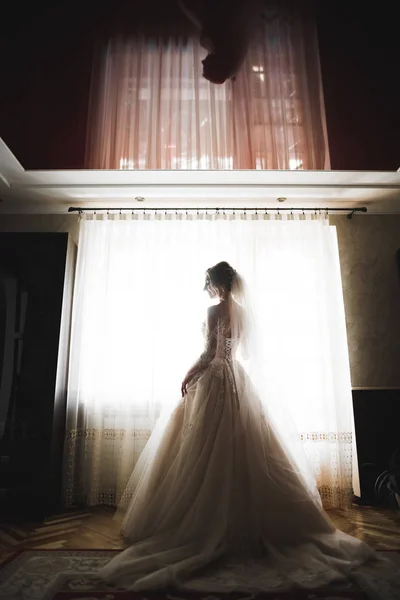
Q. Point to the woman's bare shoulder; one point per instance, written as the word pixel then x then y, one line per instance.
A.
pixel 218 310
pixel 218 313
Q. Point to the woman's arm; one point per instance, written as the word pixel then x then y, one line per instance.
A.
pixel 209 349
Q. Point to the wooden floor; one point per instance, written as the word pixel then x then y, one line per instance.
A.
pixel 96 529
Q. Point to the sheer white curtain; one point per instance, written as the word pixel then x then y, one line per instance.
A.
pixel 152 109
pixel 137 315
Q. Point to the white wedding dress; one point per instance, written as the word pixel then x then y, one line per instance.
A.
pixel 216 503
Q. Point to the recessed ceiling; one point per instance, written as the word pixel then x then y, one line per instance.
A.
pixel 55 191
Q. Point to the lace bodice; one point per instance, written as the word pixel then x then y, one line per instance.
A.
pixel 217 343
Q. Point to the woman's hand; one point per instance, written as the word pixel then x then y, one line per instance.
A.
pixel 184 386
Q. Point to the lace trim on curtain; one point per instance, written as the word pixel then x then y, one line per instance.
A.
pixel 107 434
pixel 336 489
pixel 345 437
pixel 335 496
pixel 83 445
pixel 83 442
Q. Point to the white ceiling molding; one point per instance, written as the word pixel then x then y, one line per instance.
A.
pixel 35 192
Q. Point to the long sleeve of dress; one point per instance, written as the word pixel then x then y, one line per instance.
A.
pixel 210 348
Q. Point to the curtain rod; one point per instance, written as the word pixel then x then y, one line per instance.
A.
pixel 217 210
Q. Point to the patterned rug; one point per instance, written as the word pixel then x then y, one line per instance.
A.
pixel 71 575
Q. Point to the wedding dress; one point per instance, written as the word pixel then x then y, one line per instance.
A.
pixel 217 504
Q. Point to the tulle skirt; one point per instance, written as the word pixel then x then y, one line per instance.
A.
pixel 216 504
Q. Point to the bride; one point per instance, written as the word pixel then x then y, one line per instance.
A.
pixel 216 502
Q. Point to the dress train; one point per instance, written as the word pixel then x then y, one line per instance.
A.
pixel 216 504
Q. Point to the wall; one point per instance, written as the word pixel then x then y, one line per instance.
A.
pixel 371 289
pixel 41 223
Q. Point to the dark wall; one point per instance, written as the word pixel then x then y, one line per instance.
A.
pixel 46 56
pixel 360 58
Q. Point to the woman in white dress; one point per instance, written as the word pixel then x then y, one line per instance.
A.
pixel 216 502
